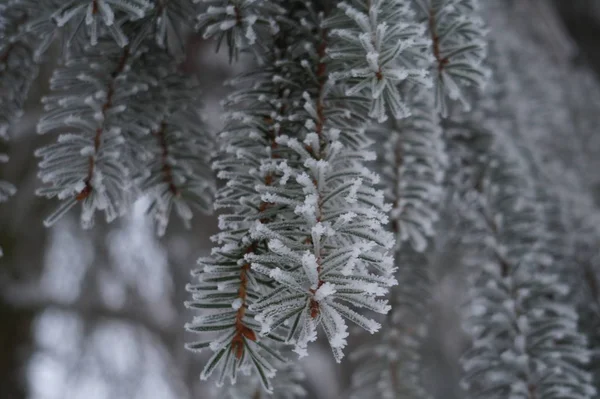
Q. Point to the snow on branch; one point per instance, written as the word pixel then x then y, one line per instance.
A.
pixel 415 163
pixel 102 15
pixel 242 24
pixel 257 113
pixel 457 42
pixel 25 34
pixel 178 150
pixel 166 22
pixel 369 42
pixel 413 167
pixel 335 263
pixel 526 342
pixel 96 105
pixel 391 364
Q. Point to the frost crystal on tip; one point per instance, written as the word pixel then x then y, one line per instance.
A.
pixel 237 303
pixel 324 291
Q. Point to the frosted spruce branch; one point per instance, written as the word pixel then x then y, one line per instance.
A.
pixel 368 42
pixel 100 16
pixel 415 162
pixel 413 167
pixel 25 34
pixel 177 152
pixel 390 367
pixel 166 23
pixel 242 24
pixel 29 27
pixel 258 112
pixel 457 42
pixel 525 338
pixel 317 238
pixel 575 248
pixel 586 258
pixel 94 96
pixel 332 262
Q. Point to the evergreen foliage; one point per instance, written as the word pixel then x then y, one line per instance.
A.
pixel 373 48
pixel 525 337
pixel 19 52
pixel 342 144
pixel 457 42
pixel 248 142
pixel 414 166
pixel 98 102
pixel 242 24
pixel 391 365
pixel 98 15
pixel 107 99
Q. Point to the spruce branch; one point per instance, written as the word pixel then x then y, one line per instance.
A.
pixel 99 104
pixel 178 149
pixel 415 162
pixel 243 24
pixel 336 260
pixel 25 34
pixel 166 23
pixel 370 42
pixel 391 365
pixel 99 16
pixel 413 169
pixel 526 340
pixel 458 46
pixel 257 113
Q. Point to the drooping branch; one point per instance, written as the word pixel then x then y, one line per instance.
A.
pixel 110 91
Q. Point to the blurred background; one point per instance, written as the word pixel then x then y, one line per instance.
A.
pixel 99 314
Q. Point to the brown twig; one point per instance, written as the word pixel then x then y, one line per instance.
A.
pixel 322 78
pixel 435 39
pixel 167 169
pixel 89 188
pixel 243 331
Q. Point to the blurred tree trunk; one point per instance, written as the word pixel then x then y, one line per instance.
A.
pixel 15 344
pixel 582 20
